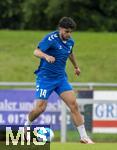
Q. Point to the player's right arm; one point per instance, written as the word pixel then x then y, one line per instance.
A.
pixel 40 54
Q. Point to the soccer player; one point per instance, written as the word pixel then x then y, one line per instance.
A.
pixel 54 50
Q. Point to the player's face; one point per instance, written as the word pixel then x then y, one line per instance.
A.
pixel 65 33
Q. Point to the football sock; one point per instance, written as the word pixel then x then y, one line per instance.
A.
pixel 82 131
pixel 28 122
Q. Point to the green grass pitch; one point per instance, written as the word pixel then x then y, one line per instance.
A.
pixel 78 146
pixel 96 54
pixel 63 146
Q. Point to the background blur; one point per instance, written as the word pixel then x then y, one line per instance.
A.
pixel 23 23
pixel 96 15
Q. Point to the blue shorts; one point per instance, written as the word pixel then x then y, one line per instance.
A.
pixel 44 87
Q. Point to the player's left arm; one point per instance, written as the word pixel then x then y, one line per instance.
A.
pixel 75 64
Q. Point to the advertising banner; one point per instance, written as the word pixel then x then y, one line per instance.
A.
pixel 105 114
pixel 16 104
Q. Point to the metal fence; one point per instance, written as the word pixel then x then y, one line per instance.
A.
pixel 90 85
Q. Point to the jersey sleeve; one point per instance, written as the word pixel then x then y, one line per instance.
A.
pixel 45 43
pixel 72 47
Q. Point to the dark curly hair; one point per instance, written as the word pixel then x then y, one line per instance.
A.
pixel 67 22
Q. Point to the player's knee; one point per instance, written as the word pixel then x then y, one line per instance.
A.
pixel 41 106
pixel 73 107
pixel 41 109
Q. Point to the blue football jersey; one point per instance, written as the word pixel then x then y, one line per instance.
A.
pixel 52 45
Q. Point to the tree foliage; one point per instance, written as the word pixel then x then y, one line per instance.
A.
pixel 96 15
